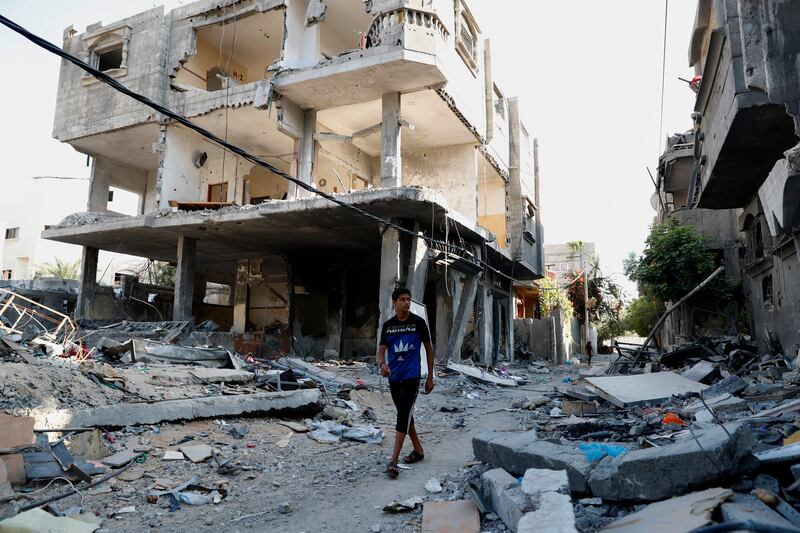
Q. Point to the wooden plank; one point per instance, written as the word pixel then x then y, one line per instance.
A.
pixel 15 431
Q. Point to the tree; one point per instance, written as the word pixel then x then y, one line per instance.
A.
pixel 552 296
pixel 675 260
pixel 60 269
pixel 642 314
pixel 158 273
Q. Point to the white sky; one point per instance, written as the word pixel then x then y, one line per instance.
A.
pixel 588 75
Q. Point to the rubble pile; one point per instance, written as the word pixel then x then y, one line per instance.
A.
pixel 643 437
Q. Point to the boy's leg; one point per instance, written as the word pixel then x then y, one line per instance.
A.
pixel 399 437
pixel 412 433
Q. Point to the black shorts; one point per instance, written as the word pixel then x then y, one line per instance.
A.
pixel 404 394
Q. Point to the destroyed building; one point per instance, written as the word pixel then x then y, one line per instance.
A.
pixel 389 104
pixel 745 154
pixel 718 226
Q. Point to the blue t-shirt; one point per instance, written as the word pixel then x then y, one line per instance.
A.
pixel 403 340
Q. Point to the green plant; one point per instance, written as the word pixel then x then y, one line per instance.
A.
pixel 642 314
pixel 60 269
pixel 158 273
pixel 551 296
pixel 675 260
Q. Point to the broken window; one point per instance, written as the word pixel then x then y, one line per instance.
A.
pixel 7 274
pixel 218 192
pixel 466 36
pixel 110 59
pixel 12 233
pixel 766 290
pixel 234 52
pixel 499 103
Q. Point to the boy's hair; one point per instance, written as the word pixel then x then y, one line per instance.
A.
pixel 398 292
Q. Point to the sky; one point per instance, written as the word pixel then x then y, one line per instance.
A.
pixel 587 73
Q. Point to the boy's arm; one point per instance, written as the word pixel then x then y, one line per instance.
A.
pixel 429 357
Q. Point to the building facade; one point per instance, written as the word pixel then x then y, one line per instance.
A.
pixel 747 126
pixel 388 104
pixel 564 259
pixel 48 200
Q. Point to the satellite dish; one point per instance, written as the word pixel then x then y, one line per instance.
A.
pixel 654 201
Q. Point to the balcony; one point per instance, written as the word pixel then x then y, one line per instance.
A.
pixel 401 56
pixel 744 133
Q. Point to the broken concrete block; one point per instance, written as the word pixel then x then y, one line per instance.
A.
pixel 505 496
pixel 172 455
pixel 657 473
pixel 537 481
pixel 553 514
pixel 303 401
pixel 749 507
pixel 197 453
pixel 517 452
pixel 683 513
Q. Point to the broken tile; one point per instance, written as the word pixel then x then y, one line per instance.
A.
pixel 197 453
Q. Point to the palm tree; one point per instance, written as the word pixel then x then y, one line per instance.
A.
pixel 60 269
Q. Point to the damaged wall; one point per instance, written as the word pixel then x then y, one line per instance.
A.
pixel 451 170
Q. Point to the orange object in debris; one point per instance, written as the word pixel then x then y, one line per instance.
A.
pixel 672 418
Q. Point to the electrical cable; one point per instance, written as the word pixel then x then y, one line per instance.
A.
pixel 180 119
pixel 663 74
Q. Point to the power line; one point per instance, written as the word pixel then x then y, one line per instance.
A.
pixel 663 74
pixel 101 76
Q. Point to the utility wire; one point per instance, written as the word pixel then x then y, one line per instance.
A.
pixel 663 74
pixel 180 119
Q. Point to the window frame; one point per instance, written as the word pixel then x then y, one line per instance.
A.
pixel 102 41
pixel 9 236
pixel 463 17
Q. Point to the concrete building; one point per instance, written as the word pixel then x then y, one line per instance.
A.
pixel 48 200
pixel 562 259
pixel 747 123
pixel 389 104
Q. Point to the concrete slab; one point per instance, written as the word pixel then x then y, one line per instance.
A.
pixel 120 458
pixel 505 496
pixel 554 514
pixel 749 507
pixel 195 376
pixel 197 453
pixel 625 391
pixel 684 513
pixel 654 474
pixel 518 451
pixel 302 402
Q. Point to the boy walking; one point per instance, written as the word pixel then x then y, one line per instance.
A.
pixel 399 358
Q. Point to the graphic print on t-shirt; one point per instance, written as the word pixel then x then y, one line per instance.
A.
pixel 403 340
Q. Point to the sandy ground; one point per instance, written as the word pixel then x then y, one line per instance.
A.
pixel 308 486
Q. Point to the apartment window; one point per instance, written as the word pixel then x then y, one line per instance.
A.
pixel 467 36
pixel 12 233
pixel 7 274
pixel 108 50
pixel 47 226
pixel 110 196
pixel 110 59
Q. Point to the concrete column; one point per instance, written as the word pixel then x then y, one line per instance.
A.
pixel 98 189
pixel 488 89
pixel 514 185
pixel 510 321
pixel 485 323
pixel 88 282
pixel 305 157
pixel 444 314
pixel 184 278
pixel 240 293
pixel 336 305
pixel 460 319
pixel 391 136
pixel 561 357
pixel 389 275
pixel 418 268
